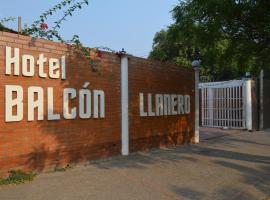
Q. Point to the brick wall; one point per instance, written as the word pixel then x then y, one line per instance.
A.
pixel 38 145
pixel 158 78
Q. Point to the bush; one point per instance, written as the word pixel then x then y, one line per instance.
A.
pixel 17 177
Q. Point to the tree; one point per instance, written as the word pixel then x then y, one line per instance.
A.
pixel 40 29
pixel 4 28
pixel 233 36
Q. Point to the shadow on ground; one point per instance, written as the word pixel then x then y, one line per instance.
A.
pixel 187 193
pixel 142 160
pixel 224 152
pixel 258 178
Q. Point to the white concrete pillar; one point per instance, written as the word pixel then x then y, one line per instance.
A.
pixel 124 103
pixel 197 105
pixel 248 103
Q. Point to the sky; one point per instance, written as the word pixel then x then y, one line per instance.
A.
pixel 117 24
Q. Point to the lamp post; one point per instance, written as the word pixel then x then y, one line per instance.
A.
pixel 195 64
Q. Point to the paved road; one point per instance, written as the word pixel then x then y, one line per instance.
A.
pixel 225 165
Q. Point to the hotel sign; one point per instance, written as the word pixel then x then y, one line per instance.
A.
pixel 91 103
pixel 29 66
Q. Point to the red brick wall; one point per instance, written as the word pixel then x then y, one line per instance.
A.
pixel 158 78
pixel 38 145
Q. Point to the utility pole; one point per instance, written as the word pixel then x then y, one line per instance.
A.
pixel 195 65
pixel 261 100
pixel 19 24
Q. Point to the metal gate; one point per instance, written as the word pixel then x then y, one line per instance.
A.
pixel 226 104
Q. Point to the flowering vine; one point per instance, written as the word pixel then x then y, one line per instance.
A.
pixel 40 29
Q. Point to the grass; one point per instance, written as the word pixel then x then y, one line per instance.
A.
pixel 17 177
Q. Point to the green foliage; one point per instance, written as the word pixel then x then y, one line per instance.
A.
pixel 232 36
pixel 17 177
pixel 36 30
pixel 2 27
pixel 5 20
pixel 40 29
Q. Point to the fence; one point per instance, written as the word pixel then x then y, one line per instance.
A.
pixel 226 104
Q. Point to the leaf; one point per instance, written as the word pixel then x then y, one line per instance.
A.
pixel 225 39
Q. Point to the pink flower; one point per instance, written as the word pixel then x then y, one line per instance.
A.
pixel 43 26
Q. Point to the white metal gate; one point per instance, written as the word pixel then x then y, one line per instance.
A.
pixel 226 104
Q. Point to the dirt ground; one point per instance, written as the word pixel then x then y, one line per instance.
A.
pixel 225 165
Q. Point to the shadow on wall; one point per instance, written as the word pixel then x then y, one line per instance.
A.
pixel 154 138
pixel 63 142
pixel 158 131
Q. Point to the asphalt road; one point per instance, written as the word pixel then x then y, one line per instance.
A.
pixel 225 165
